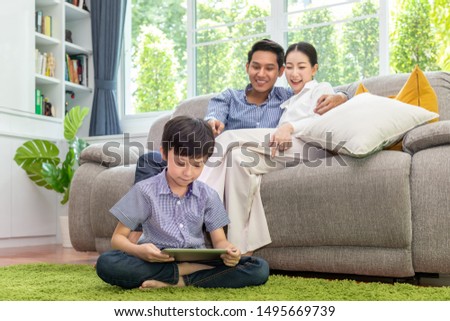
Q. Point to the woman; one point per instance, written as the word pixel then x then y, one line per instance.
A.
pixel 243 156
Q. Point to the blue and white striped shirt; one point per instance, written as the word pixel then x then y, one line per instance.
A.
pixel 235 112
pixel 168 220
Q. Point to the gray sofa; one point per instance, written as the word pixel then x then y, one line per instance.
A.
pixel 385 215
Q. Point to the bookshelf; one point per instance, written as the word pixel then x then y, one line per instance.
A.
pixel 55 86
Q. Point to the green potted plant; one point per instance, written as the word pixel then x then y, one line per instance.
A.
pixel 40 158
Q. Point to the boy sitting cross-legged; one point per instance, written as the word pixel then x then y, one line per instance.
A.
pixel 172 208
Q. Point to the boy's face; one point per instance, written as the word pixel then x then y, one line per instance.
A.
pixel 263 71
pixel 182 170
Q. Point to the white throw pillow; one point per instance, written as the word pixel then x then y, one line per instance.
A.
pixel 364 125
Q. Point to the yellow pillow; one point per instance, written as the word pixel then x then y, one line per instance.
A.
pixel 361 89
pixel 416 91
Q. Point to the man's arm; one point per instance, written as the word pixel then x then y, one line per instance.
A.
pixel 218 110
pixel 327 102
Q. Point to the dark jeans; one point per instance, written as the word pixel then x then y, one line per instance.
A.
pixel 149 165
pixel 127 271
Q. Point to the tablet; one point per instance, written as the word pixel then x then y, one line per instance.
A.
pixel 194 254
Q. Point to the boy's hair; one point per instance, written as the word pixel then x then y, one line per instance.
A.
pixel 191 137
pixel 268 45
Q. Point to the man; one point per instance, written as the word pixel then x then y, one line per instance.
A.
pixel 257 106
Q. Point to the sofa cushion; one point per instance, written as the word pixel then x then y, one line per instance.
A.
pixel 194 107
pixel 110 154
pixel 364 125
pixel 427 136
pixel 416 91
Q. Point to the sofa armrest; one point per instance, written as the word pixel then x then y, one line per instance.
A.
pixel 427 136
pixel 110 154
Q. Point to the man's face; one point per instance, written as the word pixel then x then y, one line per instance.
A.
pixel 263 71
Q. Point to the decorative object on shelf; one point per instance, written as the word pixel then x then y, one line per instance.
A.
pixel 40 158
pixel 68 36
pixel 50 71
pixel 48 109
pixel 72 96
pixel 84 6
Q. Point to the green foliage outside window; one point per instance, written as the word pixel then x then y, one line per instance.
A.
pixel 156 74
pixel 347 51
pixel 412 41
pixel 360 44
pixel 323 39
pixel 220 66
pixel 441 21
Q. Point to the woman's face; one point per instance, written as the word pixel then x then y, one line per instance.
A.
pixel 298 70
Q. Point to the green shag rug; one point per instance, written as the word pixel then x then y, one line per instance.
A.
pixel 68 282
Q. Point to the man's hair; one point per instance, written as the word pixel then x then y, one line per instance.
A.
pixel 268 45
pixel 191 137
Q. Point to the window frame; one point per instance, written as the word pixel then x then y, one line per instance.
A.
pixel 277 29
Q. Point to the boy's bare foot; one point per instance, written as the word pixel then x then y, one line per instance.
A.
pixel 154 284
pixel 183 269
pixel 189 268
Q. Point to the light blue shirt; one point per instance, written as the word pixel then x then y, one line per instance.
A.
pixel 168 220
pixel 235 112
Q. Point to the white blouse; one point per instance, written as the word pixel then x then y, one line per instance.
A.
pixel 299 109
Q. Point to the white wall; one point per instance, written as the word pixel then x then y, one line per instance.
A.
pixel 28 213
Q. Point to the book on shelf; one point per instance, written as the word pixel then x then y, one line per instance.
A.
pixel 47 25
pixel 76 3
pixel 82 68
pixel 73 2
pixel 77 69
pixel 44 63
pixel 38 22
pixel 37 61
pixel 69 67
pixel 38 102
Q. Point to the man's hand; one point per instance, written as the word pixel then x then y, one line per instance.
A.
pixel 327 102
pixel 217 126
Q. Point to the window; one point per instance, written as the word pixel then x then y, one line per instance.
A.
pixel 223 32
pixel 346 35
pixel 183 48
pixel 155 53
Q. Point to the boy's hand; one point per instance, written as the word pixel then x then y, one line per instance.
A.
pixel 232 257
pixel 149 252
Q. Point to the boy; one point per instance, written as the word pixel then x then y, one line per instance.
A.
pixel 173 208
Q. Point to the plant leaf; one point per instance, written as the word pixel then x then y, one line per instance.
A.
pixel 53 177
pixel 66 196
pixel 67 168
pixel 77 144
pixel 32 155
pixel 73 121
